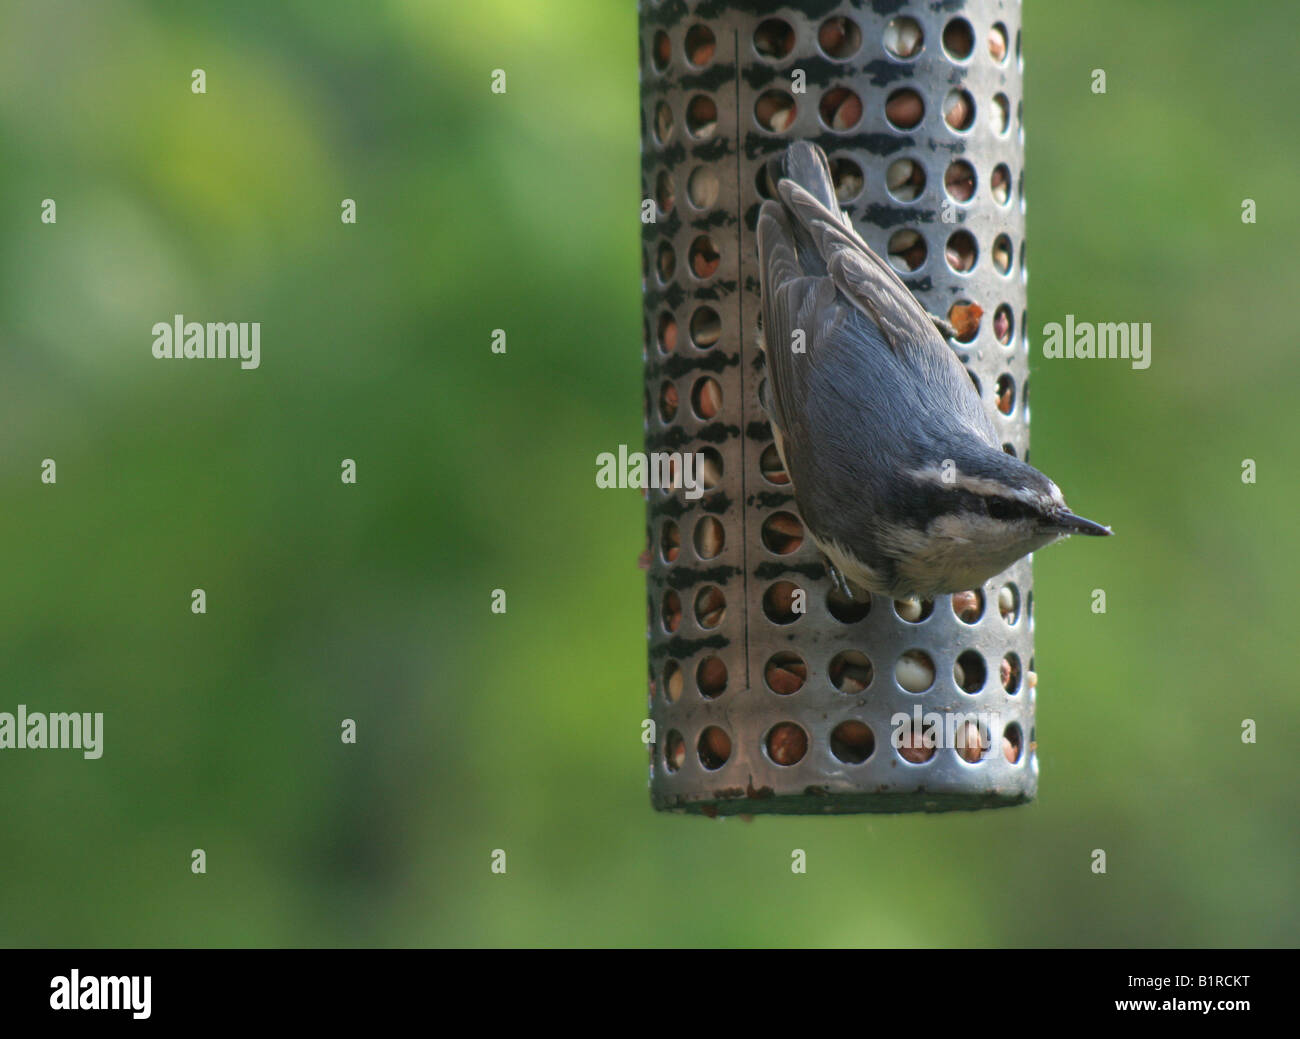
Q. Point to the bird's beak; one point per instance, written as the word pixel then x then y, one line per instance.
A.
pixel 1072 524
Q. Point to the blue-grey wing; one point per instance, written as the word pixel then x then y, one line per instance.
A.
pixel 852 357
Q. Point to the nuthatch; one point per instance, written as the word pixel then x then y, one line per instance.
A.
pixel 895 464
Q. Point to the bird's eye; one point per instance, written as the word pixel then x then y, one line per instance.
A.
pixel 1001 509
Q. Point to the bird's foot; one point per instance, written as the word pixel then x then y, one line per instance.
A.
pixel 944 326
pixel 839 580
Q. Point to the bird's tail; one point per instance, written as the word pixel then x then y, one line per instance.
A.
pixel 806 164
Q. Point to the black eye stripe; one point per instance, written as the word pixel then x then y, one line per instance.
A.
pixel 1008 509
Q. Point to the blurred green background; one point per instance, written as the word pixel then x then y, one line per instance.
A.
pixel 477 731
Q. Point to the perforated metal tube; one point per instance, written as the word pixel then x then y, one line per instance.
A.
pixel 725 721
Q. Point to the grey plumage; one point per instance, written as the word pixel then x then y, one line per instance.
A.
pixel 875 398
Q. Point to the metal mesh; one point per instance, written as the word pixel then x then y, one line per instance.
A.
pixel 758 708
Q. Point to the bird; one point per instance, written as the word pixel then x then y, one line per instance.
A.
pixel 894 461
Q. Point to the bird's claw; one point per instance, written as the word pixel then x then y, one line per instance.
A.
pixel 944 326
pixel 838 579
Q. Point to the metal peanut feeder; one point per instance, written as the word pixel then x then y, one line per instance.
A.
pixel 758 707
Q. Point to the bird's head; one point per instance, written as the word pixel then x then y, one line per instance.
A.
pixel 979 513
